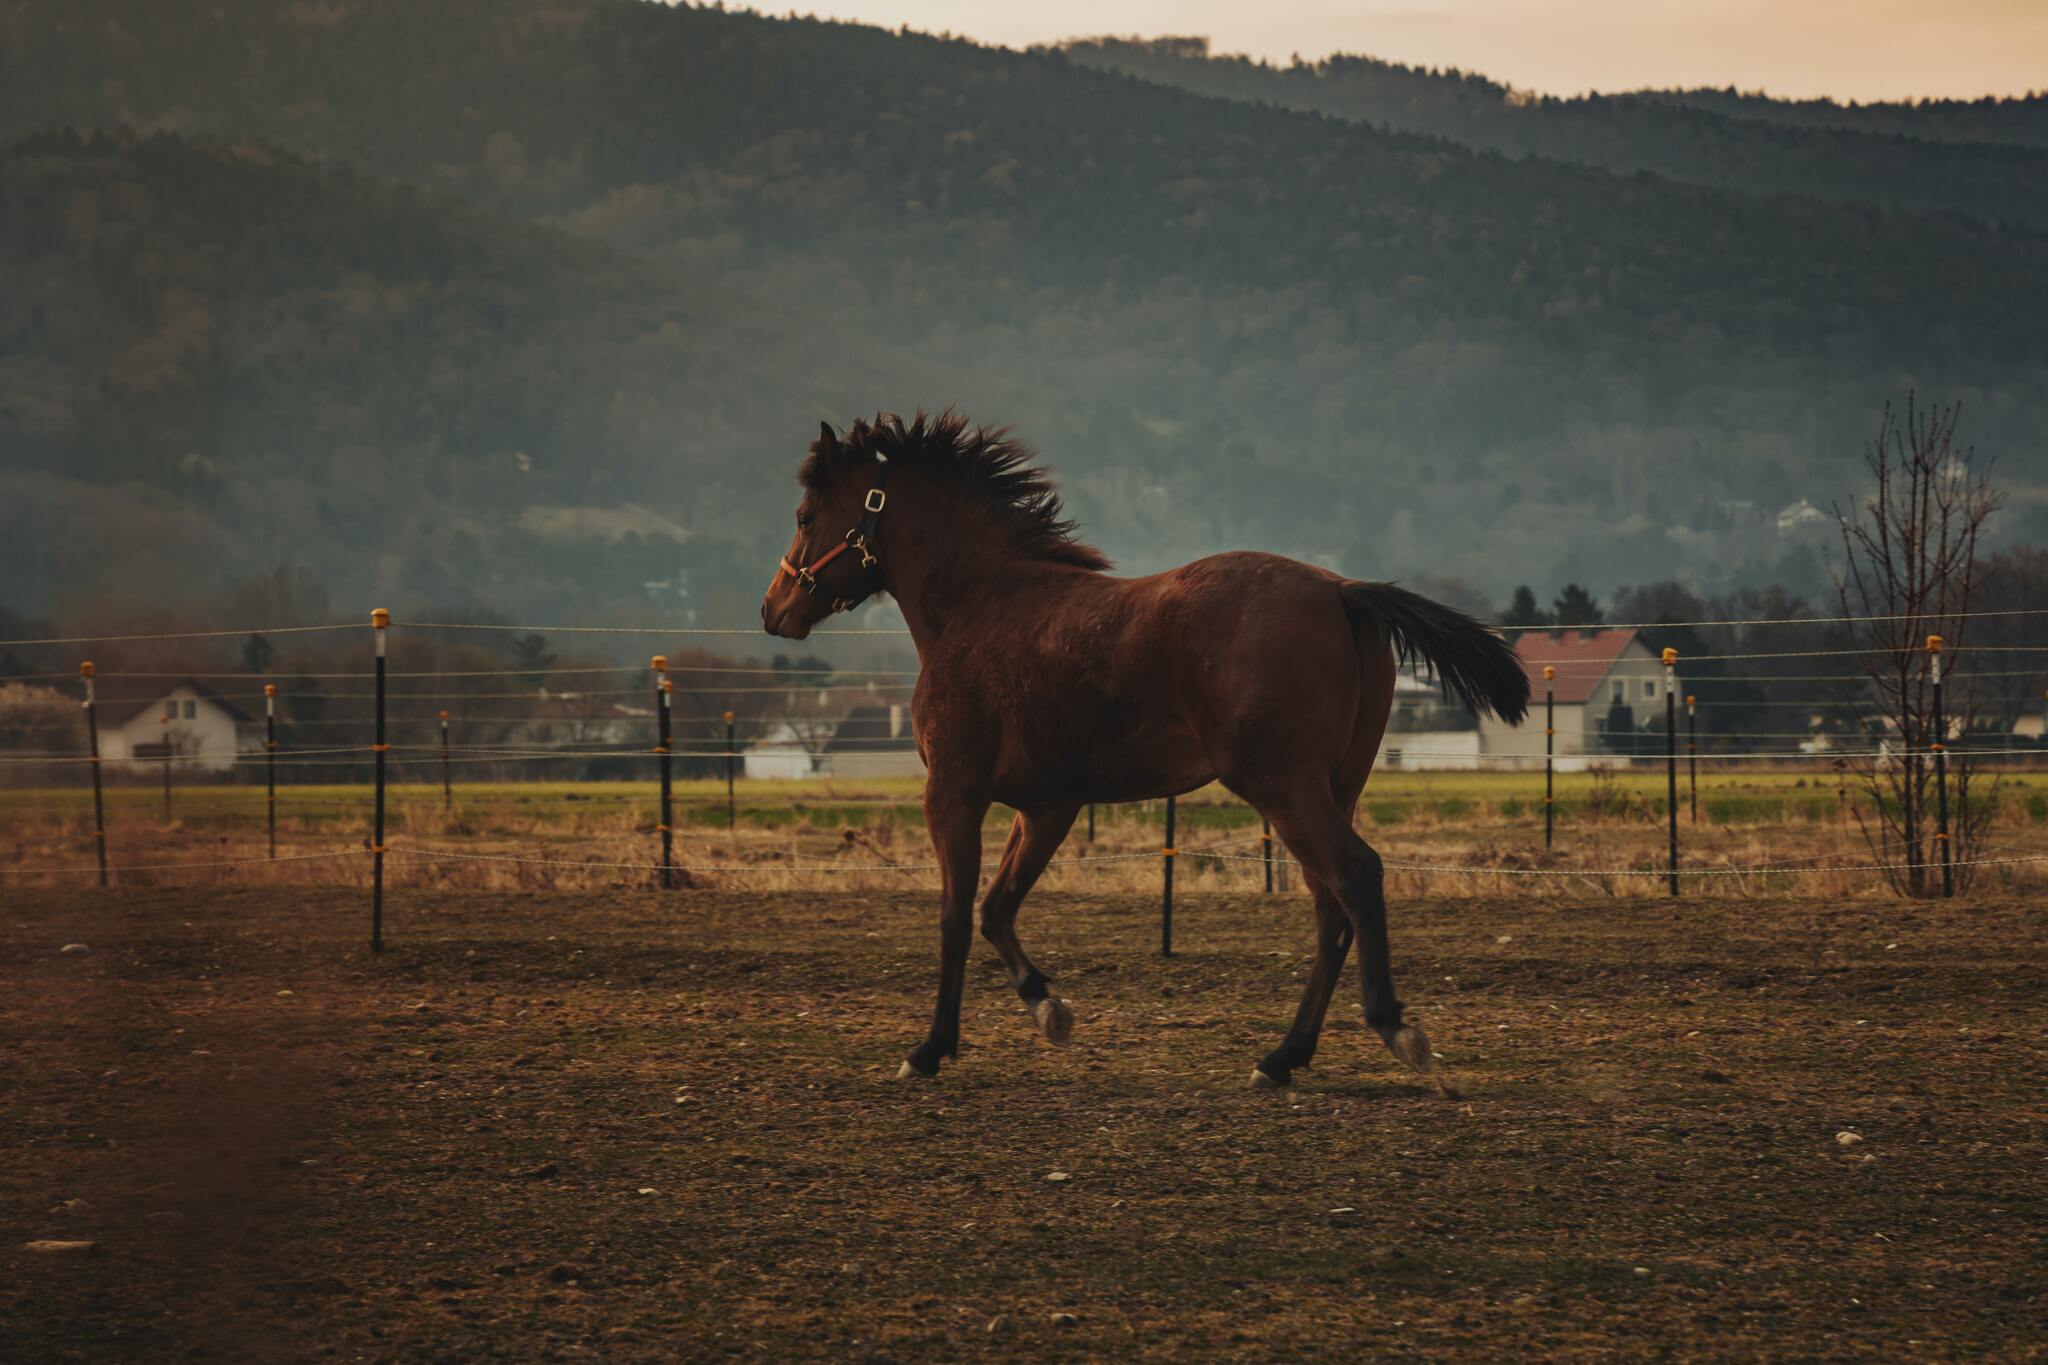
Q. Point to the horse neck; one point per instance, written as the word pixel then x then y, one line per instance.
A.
pixel 946 566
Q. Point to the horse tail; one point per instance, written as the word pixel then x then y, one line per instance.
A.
pixel 1472 659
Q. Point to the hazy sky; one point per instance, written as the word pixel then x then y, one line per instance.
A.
pixel 1850 49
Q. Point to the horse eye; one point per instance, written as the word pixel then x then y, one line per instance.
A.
pixel 803 521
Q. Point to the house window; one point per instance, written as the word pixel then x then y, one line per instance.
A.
pixel 1618 693
pixel 190 712
pixel 1649 687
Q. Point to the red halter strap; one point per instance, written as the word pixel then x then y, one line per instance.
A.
pixel 856 539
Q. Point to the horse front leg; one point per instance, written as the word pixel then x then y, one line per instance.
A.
pixel 955 824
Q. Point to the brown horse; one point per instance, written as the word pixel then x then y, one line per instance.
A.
pixel 1047 684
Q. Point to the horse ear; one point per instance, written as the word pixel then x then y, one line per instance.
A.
pixel 828 440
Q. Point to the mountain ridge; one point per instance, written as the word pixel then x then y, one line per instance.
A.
pixel 1727 144
pixel 691 235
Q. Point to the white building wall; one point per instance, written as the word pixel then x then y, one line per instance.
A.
pixel 1422 750
pixel 1636 670
pixel 885 763
pixel 202 733
pixel 779 761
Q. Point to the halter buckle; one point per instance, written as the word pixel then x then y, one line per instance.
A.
pixel 876 500
pixel 860 543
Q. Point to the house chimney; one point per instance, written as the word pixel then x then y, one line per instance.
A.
pixel 895 720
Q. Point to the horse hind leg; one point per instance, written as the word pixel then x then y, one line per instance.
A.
pixel 1298 1048
pixel 1033 840
pixel 1383 1010
pixel 1322 839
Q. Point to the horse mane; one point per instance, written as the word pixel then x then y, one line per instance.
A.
pixel 983 464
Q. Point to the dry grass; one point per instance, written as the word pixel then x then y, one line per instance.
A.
pixel 1611 839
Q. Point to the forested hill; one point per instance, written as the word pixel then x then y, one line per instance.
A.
pixel 684 131
pixel 1986 160
pixel 563 286
pixel 2019 121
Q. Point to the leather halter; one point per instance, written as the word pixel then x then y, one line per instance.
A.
pixel 861 540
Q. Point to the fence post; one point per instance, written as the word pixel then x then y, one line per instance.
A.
pixel 1692 752
pixel 270 762
pixel 380 620
pixel 1948 887
pixel 1266 846
pixel 1166 856
pixel 447 777
pixel 1549 754
pixel 1091 822
pixel 92 736
pixel 1671 755
pixel 732 759
pixel 164 722
pixel 667 826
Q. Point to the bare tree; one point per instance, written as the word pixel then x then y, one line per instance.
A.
pixel 1910 563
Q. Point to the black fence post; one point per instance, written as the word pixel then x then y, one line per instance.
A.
pixel 1266 846
pixel 447 777
pixel 1166 856
pixel 1940 746
pixel 92 738
pixel 1549 755
pixel 1671 756
pixel 380 620
pixel 661 708
pixel 270 763
pixel 164 722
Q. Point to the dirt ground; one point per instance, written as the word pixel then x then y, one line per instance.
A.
pixel 616 1124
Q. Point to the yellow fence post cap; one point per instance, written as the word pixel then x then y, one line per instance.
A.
pixel 85 669
pixel 380 618
pixel 1690 699
pixel 1549 671
pixel 660 663
pixel 1934 644
pixel 728 718
pixel 1670 656
pixel 270 689
pixel 444 715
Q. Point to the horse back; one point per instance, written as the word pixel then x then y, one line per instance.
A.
pixel 1101 688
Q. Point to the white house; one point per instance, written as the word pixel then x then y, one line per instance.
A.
pixel 869 741
pixel 1425 731
pixel 782 753
pixel 1609 684
pixel 200 729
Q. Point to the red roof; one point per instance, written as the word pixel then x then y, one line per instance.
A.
pixel 1582 659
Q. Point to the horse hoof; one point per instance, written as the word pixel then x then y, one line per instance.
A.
pixel 1262 1081
pixel 907 1072
pixel 1055 1020
pixel 1411 1046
